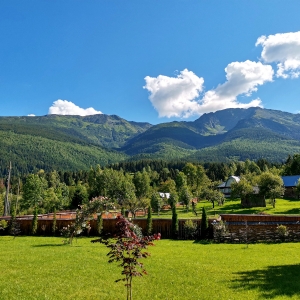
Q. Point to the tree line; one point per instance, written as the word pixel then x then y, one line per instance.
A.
pixel 135 185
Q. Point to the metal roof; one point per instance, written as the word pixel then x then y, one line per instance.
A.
pixel 289 181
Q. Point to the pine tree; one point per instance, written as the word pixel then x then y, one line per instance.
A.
pixel 149 221
pixel 204 223
pixel 34 222
pixel 54 222
pixel 123 211
pixel 99 224
pixel 175 223
pixel 14 228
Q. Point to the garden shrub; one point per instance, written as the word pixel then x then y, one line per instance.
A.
pixel 190 229
pixel 282 232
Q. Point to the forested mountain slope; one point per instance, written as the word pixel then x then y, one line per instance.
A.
pixel 63 142
pixel 74 142
pixel 30 153
pixel 103 130
pixel 228 134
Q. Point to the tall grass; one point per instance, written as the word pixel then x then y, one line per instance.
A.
pixel 44 268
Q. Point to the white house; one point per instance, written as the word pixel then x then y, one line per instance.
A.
pixel 224 187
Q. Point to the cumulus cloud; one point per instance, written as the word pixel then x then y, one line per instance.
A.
pixel 179 97
pixel 283 49
pixel 31 115
pixel 64 107
pixel 242 79
pixel 175 96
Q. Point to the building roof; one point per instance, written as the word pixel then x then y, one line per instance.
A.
pixel 164 195
pixel 231 179
pixel 228 182
pixel 222 185
pixel 290 181
pixel 237 178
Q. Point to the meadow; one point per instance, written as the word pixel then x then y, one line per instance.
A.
pixel 283 207
pixel 45 268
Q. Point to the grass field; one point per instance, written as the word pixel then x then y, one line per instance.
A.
pixel 283 206
pixel 44 268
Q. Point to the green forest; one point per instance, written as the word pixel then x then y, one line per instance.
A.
pixel 134 185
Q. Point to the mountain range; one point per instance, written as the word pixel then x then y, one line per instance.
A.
pixel 75 142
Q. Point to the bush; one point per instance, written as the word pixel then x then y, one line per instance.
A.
pixel 220 230
pixel 3 224
pixel 282 232
pixel 190 229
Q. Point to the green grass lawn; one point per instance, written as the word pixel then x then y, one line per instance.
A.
pixel 44 268
pixel 283 206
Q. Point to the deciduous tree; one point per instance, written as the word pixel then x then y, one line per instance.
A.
pixel 270 186
pixel 127 249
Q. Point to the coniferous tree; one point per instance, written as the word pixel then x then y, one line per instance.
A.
pixel 34 222
pixel 54 222
pixel 149 221
pixel 172 200
pixel 123 211
pixel 204 223
pixel 99 224
pixel 14 228
pixel 175 223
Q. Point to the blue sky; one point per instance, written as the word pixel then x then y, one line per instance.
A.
pixel 153 61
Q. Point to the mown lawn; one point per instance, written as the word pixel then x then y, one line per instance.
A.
pixel 283 206
pixel 44 268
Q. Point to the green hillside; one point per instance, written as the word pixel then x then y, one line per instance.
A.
pixel 30 153
pixel 102 130
pixel 231 133
pixel 75 142
pixel 254 143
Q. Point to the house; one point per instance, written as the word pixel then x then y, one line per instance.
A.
pixel 164 195
pixel 224 187
pixel 252 200
pixel 290 183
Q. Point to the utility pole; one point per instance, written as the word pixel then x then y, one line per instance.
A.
pixel 6 201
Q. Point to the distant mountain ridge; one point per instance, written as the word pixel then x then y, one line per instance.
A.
pixel 64 142
pixel 74 142
pixel 103 130
pixel 227 134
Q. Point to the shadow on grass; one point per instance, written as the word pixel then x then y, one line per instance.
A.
pixel 271 282
pixel 292 200
pixel 293 211
pixel 203 242
pixel 49 245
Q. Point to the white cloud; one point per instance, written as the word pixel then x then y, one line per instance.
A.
pixel 31 115
pixel 242 79
pixel 174 96
pixel 64 107
pixel 283 49
pixel 179 97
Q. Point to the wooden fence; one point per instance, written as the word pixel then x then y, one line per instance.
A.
pixel 240 228
pixel 258 228
pixel 162 226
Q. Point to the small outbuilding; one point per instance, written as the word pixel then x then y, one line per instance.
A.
pixel 290 183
